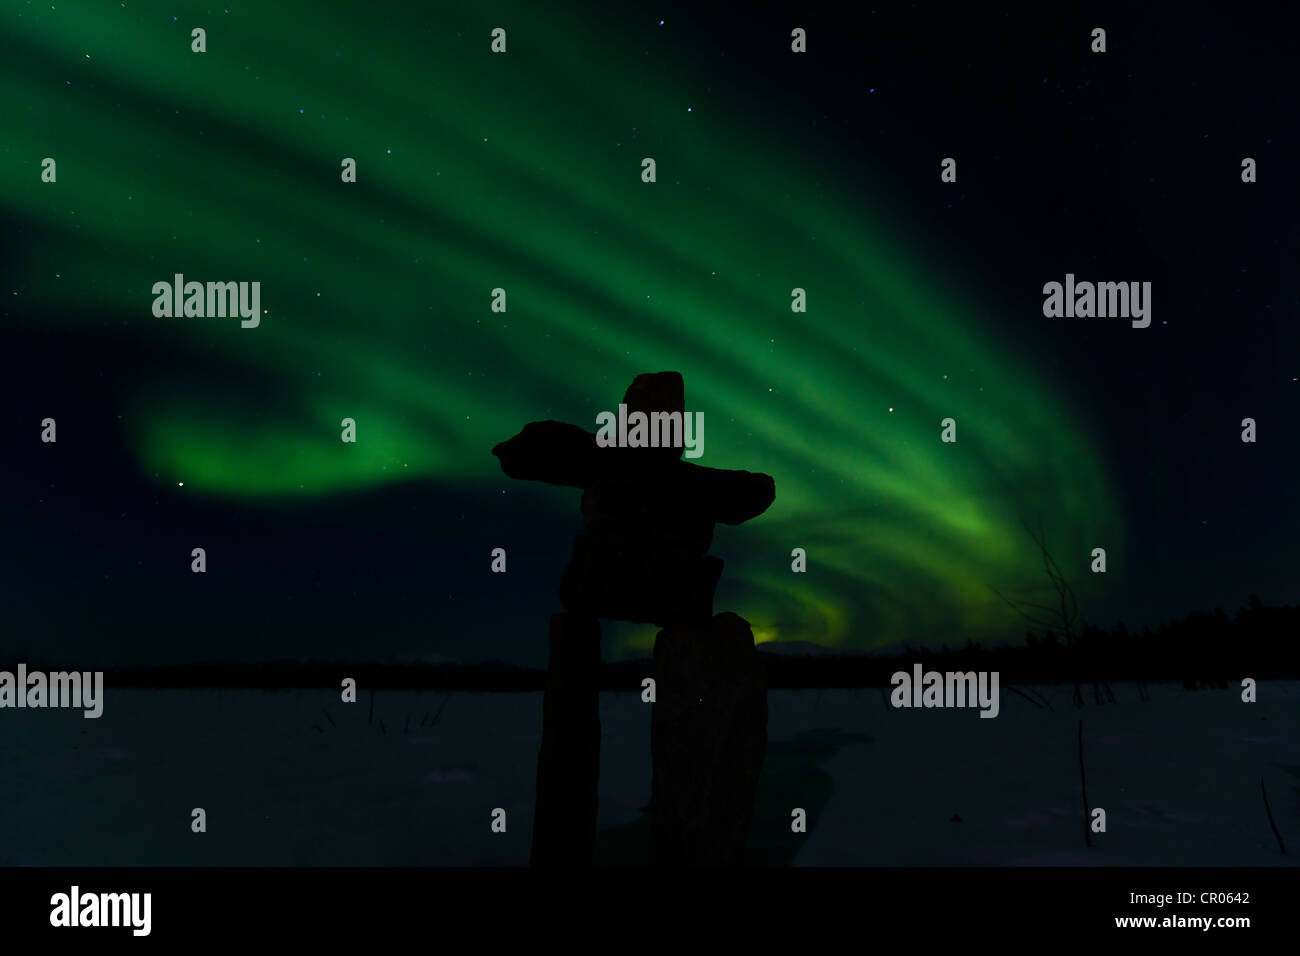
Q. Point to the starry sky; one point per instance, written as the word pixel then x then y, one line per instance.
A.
pixel 523 171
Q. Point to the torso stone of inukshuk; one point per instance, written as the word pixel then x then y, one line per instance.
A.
pixel 643 557
pixel 648 515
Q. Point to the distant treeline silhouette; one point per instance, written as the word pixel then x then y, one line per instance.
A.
pixel 1199 650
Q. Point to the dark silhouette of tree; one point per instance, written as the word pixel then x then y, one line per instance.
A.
pixel 1061 616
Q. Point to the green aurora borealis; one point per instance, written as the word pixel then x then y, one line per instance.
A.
pixel 522 171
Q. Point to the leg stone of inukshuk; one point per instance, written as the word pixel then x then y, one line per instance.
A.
pixel 568 767
pixel 708 737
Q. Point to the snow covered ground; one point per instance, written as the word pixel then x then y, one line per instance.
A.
pixel 299 778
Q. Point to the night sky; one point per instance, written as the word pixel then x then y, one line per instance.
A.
pixel 523 171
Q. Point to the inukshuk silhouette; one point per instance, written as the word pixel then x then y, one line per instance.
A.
pixel 649 520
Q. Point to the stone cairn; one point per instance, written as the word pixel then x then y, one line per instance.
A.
pixel 649 518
